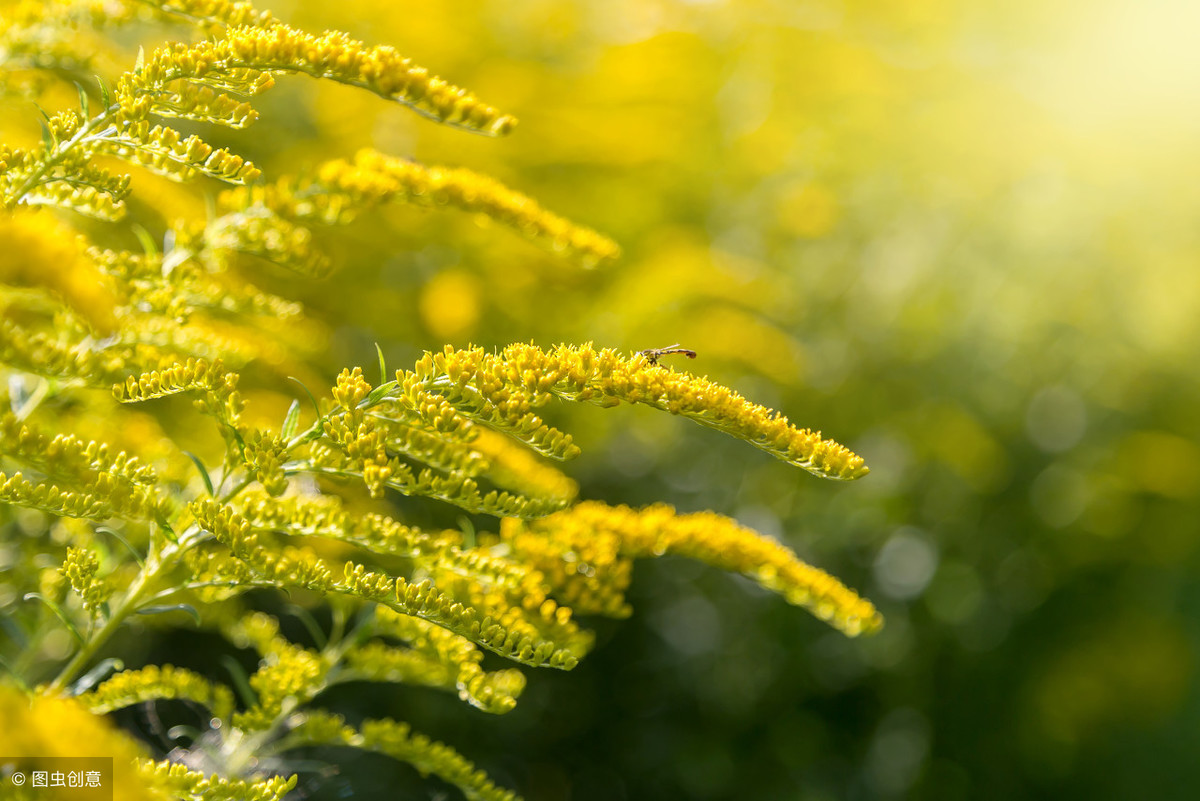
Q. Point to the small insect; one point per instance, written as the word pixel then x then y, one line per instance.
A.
pixel 654 354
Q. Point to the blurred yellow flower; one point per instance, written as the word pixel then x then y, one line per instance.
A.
pixel 44 728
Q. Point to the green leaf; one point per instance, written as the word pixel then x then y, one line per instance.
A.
pixel 105 95
pixel 316 407
pixel 141 60
pixel 203 471
pixel 116 536
pixel 378 394
pixel 145 240
pixel 83 100
pixel 57 610
pixel 93 677
pixel 310 623
pixel 241 681
pixel 468 529
pixel 382 364
pixel 291 420
pixel 166 527
pixel 158 610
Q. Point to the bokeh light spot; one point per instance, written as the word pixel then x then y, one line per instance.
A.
pixel 1056 419
pixel 905 564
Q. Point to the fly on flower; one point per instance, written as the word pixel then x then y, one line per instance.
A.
pixel 654 354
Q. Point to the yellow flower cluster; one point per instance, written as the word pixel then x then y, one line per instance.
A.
pixel 232 13
pixel 194 374
pixel 154 682
pixel 399 741
pixel 488 616
pixel 265 455
pixel 256 630
pixel 585 570
pixel 39 38
pixel 218 387
pixel 80 569
pixel 505 387
pixel 227 526
pixel 246 53
pixel 165 151
pixel 148 284
pixel 81 186
pixel 343 189
pixel 323 516
pixel 259 232
pixel 99 499
pixel 57 354
pixel 507 592
pixel 434 657
pixel 180 781
pixel 67 455
pixel 512 466
pixel 657 530
pixel 288 677
pixel 520 642
pixel 372 428
pixel 204 104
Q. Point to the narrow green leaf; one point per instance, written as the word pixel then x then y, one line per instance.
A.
pixel 316 408
pixel 166 527
pixel 383 375
pixel 57 610
pixel 117 536
pixel 203 471
pixel 83 100
pixel 141 60
pixel 378 394
pixel 310 623
pixel 94 676
pixel 468 529
pixel 291 420
pixel 241 681
pixel 105 95
pixel 158 610
pixel 145 240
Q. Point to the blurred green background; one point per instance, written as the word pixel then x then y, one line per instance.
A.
pixel 960 238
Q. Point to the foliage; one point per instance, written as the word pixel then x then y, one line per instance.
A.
pixel 114 514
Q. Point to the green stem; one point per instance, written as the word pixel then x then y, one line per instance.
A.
pixel 54 157
pixel 96 641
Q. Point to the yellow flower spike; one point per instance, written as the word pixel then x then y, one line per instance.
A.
pixel 512 466
pixel 247 51
pixel 180 781
pixel 598 536
pixel 497 389
pixel 231 13
pixel 399 741
pixel 80 569
pixel 153 682
pixel 434 657
pixel 343 189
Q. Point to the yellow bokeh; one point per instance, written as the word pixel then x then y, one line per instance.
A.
pixel 450 305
